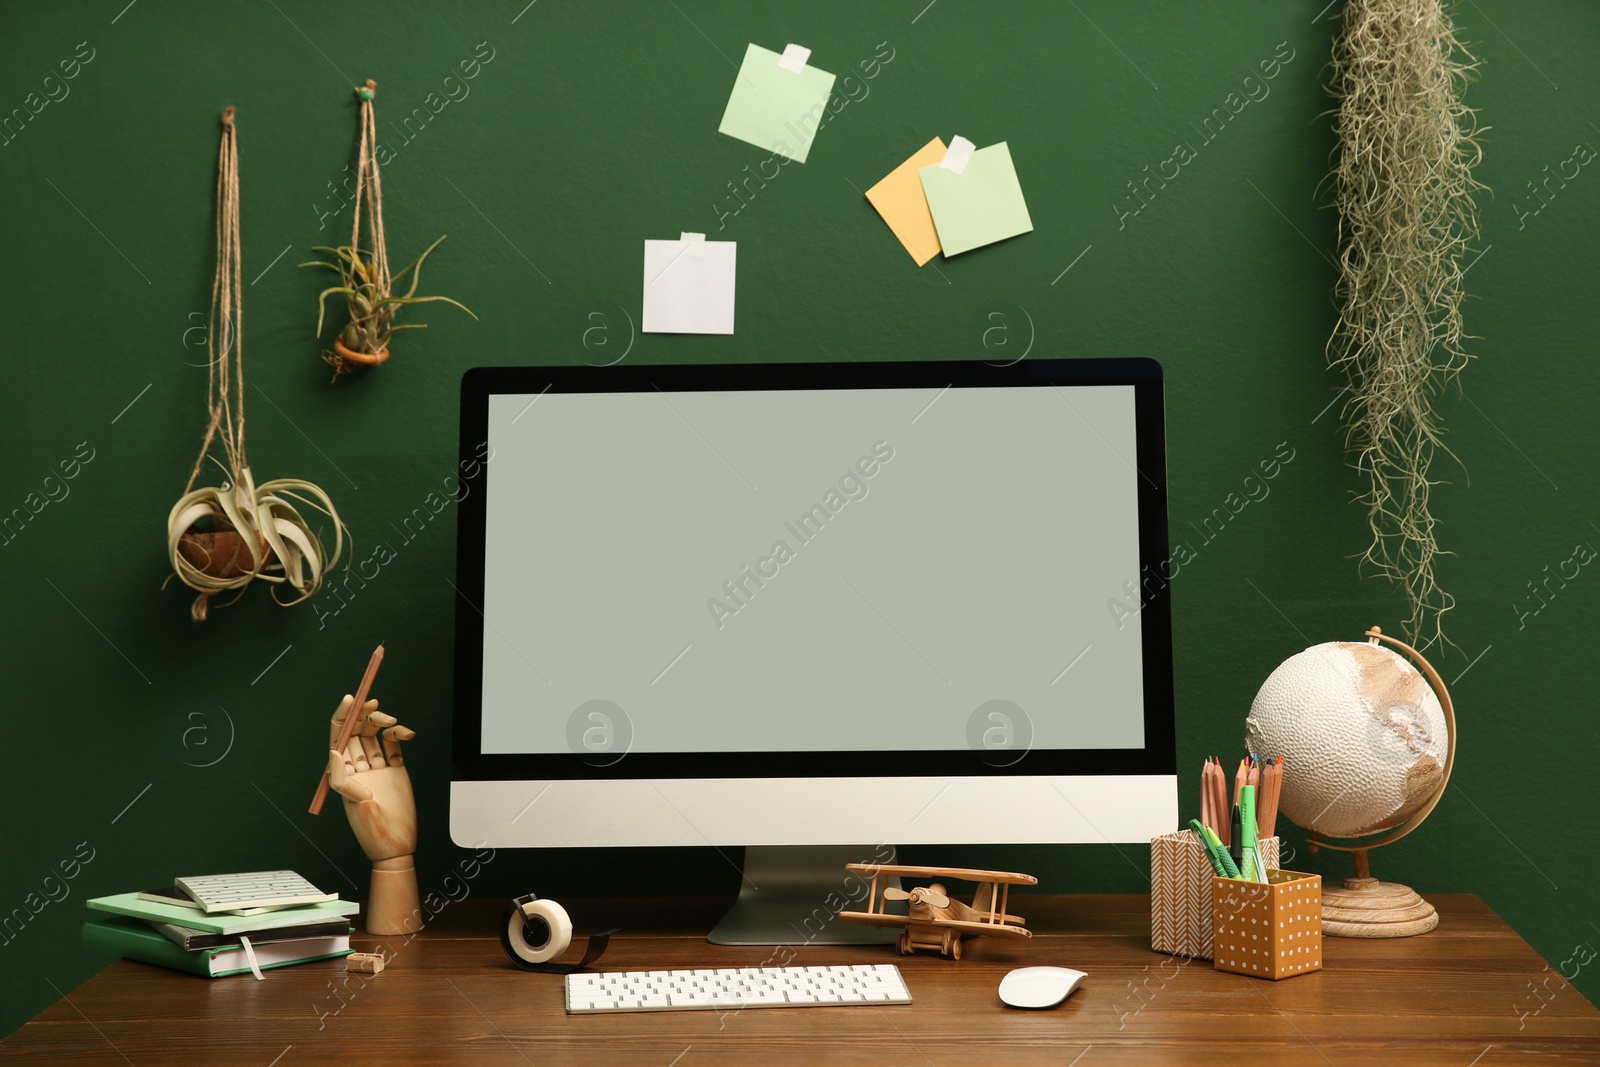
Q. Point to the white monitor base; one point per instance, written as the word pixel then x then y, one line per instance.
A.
pixel 792 895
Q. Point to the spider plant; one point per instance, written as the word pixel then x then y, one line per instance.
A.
pixel 372 303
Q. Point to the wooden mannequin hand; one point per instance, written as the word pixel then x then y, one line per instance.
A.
pixel 372 778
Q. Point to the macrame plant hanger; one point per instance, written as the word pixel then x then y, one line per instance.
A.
pixel 256 531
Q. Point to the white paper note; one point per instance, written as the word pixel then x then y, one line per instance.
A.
pixel 689 285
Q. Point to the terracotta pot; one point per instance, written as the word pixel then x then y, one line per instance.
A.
pixel 221 555
pixel 350 355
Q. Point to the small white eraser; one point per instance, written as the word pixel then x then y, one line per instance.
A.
pixel 794 58
pixel 694 244
pixel 958 155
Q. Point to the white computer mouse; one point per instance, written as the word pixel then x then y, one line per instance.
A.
pixel 1038 987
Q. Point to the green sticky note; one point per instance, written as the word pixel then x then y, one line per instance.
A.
pixel 981 205
pixel 775 108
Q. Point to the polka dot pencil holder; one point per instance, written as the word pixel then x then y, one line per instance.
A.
pixel 1268 930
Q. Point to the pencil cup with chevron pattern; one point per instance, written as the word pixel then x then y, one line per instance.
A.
pixel 1180 893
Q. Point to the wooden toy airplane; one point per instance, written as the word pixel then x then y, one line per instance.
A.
pixel 935 921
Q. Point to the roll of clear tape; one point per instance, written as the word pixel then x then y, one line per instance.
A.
pixel 557 925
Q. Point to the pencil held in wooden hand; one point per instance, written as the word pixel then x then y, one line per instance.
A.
pixel 349 725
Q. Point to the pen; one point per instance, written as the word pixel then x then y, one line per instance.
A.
pixel 1236 841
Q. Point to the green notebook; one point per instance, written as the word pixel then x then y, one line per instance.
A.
pixel 136 941
pixel 131 904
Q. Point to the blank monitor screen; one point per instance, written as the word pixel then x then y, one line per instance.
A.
pixel 740 580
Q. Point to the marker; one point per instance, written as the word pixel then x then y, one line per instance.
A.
pixel 1230 869
pixel 1213 854
pixel 1247 816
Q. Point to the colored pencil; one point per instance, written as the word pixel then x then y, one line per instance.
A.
pixel 1271 788
pixel 1219 800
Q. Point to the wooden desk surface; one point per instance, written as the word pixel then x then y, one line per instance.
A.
pixel 1462 996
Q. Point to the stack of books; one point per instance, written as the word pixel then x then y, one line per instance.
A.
pixel 221 925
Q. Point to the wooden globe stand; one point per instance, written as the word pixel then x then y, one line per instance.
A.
pixel 1366 907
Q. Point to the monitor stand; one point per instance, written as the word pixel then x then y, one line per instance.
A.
pixel 791 895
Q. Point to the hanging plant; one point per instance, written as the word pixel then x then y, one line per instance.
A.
pixel 1403 189
pixel 225 537
pixel 364 279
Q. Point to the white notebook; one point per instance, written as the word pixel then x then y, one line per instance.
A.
pixel 276 954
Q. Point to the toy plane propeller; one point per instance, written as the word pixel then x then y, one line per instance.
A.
pixel 933 896
pixel 935 921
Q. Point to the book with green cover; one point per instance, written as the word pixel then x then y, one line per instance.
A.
pixel 136 941
pixel 130 904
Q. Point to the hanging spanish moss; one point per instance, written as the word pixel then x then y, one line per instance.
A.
pixel 1403 188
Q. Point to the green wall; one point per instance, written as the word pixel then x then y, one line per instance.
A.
pixel 589 127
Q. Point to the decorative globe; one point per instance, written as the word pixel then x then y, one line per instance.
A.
pixel 1364 739
pixel 1367 745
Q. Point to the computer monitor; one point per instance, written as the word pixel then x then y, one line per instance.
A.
pixel 819 604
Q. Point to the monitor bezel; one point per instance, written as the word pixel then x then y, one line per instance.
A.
pixel 1157 756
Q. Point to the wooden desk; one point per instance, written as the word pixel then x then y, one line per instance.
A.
pixel 1451 997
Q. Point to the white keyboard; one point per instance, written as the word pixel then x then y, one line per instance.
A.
pixel 733 989
pixel 256 889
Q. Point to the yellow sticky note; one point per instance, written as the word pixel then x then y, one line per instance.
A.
pixel 900 200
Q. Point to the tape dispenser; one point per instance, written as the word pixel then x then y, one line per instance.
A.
pixel 536 931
